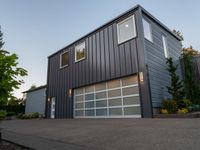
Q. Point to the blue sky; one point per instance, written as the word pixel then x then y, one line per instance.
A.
pixel 34 29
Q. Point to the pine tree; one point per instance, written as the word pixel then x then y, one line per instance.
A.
pixel 1 39
pixel 176 88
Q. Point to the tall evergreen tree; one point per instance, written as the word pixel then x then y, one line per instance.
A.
pixel 1 39
pixel 176 88
pixel 192 89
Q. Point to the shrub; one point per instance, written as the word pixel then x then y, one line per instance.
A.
pixel 182 111
pixel 185 103
pixel 170 105
pixel 29 116
pixel 2 114
pixel 194 107
pixel 164 111
pixel 9 114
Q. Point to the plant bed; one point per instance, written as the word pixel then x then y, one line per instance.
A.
pixel 187 115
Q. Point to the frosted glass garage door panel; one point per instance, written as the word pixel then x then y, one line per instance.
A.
pixel 129 80
pixel 101 112
pixel 133 100
pixel 132 110
pixel 115 111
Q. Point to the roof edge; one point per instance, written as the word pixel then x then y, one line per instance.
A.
pixel 128 11
pixel 38 88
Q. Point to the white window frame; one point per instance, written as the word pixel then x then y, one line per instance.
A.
pixel 61 59
pixel 150 28
pixel 165 46
pixel 76 51
pixel 134 28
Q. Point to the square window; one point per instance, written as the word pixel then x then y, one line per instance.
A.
pixel 126 29
pixel 80 52
pixel 64 59
pixel 147 30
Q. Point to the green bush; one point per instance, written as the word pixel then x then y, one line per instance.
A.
pixel 185 103
pixel 9 114
pixel 170 105
pixel 2 114
pixel 29 115
pixel 194 107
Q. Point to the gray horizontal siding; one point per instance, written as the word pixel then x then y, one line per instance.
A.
pixel 105 60
pixel 156 62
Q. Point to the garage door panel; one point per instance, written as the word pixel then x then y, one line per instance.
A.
pixel 116 98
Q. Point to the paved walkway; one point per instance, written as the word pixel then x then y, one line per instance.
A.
pixel 105 134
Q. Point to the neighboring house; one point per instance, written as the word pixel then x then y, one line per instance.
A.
pixel 197 66
pixel 115 71
pixel 35 100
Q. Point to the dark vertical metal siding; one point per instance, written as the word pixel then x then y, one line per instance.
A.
pixel 105 60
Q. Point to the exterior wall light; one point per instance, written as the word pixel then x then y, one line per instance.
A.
pixel 70 92
pixel 49 99
pixel 141 76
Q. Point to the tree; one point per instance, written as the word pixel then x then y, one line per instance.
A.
pixel 176 88
pixel 33 87
pixel 9 73
pixel 192 89
pixel 178 33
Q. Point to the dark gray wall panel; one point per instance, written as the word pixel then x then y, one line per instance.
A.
pixel 156 62
pixel 105 60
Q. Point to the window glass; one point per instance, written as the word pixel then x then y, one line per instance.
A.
pixel 165 47
pixel 78 105
pixel 89 97
pixel 131 100
pixel 129 80
pixel 131 110
pixel 115 111
pixel 101 112
pixel 130 91
pixel 64 59
pixel 89 112
pixel 113 84
pixel 80 52
pixel 100 86
pixel 147 30
pixel 79 112
pixel 100 95
pixel 126 29
pixel 79 98
pixel 102 103
pixel 89 104
pixel 114 93
pixel 115 102
pixel 89 89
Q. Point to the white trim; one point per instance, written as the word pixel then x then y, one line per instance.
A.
pixel 76 50
pixel 61 59
pixel 113 116
pixel 150 30
pixel 134 29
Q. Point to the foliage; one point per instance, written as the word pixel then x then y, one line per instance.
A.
pixel 170 105
pixel 29 115
pixel 192 89
pixel 2 114
pixel 194 107
pixel 164 111
pixel 178 33
pixel 176 87
pixel 9 74
pixel 13 108
pixel 10 114
pixel 182 111
pixel 33 87
pixel 184 103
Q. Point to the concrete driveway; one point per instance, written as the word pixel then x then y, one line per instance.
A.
pixel 105 134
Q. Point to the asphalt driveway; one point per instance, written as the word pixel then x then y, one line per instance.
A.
pixel 105 134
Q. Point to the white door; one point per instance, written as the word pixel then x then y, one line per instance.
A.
pixel 53 107
pixel 112 99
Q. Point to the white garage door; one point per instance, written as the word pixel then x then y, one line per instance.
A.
pixel 113 99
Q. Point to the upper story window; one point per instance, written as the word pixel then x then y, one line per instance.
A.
pixel 80 52
pixel 147 30
pixel 126 29
pixel 64 59
pixel 165 46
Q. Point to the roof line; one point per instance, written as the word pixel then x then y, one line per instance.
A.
pixel 35 89
pixel 105 24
